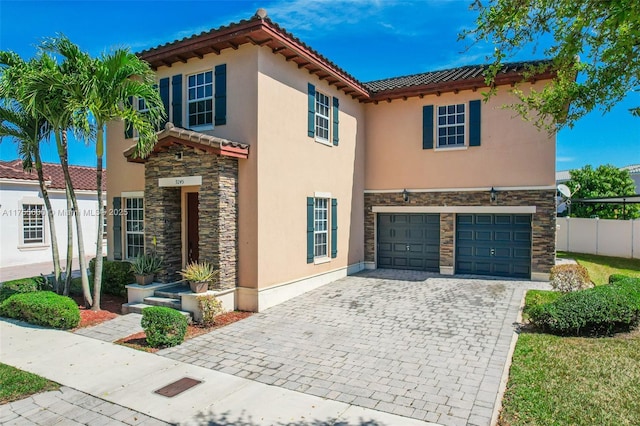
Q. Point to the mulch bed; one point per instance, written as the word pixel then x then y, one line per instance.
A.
pixel 111 308
pixel 139 341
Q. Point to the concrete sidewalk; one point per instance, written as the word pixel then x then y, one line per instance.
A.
pixel 128 377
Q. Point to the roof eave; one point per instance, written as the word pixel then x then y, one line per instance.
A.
pixel 455 86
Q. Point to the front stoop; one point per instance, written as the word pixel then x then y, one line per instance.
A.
pixel 175 296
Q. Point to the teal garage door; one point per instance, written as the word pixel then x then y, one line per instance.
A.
pixel 494 244
pixel 409 241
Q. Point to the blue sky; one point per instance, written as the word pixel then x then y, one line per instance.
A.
pixel 369 39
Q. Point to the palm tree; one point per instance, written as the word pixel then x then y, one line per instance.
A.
pixel 110 81
pixel 28 130
pixel 45 87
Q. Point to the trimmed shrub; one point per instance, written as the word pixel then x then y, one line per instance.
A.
pixel 617 277
pixel 536 298
pixel 163 326
pixel 42 308
pixel 597 311
pixel 570 277
pixel 23 285
pixel 211 307
pixel 115 276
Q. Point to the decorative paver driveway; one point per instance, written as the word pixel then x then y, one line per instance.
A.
pixel 409 343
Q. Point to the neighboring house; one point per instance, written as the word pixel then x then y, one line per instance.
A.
pixel 634 171
pixel 24 224
pixel 287 173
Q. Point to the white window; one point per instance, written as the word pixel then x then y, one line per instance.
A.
pixel 104 220
pixel 322 117
pixel 200 99
pixel 451 124
pixel 320 226
pixel 134 230
pixel 32 224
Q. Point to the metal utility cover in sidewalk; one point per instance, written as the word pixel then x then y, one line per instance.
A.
pixel 177 387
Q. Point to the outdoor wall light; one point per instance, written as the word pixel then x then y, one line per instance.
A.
pixel 493 195
pixel 405 195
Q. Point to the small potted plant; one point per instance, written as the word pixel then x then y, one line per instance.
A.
pixel 145 267
pixel 199 275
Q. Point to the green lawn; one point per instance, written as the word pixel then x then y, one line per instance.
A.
pixel 575 380
pixel 600 267
pixel 17 384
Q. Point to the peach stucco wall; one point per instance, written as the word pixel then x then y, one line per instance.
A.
pixel 293 166
pixel 513 153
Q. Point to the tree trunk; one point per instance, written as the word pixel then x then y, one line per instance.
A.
pixel 52 228
pixel 69 266
pixel 86 290
pixel 97 275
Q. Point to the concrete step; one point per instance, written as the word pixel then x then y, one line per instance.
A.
pixel 136 308
pixel 172 292
pixel 163 301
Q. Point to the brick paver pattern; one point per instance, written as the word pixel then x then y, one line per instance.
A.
pixel 115 329
pixel 410 343
pixel 68 406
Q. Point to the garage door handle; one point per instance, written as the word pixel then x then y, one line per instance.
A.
pixel 407 247
pixel 493 252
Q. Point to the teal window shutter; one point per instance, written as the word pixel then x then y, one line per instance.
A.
pixel 176 104
pixel 310 229
pixel 334 228
pixel 311 121
pixel 128 128
pixel 474 122
pixel 117 228
pixel 221 94
pixel 164 95
pixel 427 127
pixel 335 113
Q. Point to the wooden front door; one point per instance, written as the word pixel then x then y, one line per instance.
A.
pixel 193 254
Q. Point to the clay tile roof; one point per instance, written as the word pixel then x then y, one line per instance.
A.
pixel 633 168
pixel 260 30
pixel 83 178
pixel 177 135
pixel 467 72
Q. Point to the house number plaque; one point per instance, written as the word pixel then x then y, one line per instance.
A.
pixel 180 181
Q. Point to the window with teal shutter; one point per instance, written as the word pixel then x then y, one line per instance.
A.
pixel 311 116
pixel 335 112
pixel 310 230
pixel 176 84
pixel 474 122
pixel 128 128
pixel 164 96
pixel 334 228
pixel 117 228
pixel 221 95
pixel 427 127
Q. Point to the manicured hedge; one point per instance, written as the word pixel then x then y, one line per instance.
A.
pixel 163 326
pixel 42 308
pixel 115 276
pixel 617 277
pixel 23 285
pixel 597 311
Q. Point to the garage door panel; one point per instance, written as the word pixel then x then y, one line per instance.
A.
pixel 409 241
pixel 493 244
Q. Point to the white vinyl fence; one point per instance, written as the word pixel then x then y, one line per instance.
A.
pixel 620 238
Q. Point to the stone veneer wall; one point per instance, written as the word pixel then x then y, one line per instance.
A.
pixel 218 211
pixel 543 221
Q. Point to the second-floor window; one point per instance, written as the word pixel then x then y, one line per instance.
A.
pixel 200 99
pixel 451 123
pixel 322 117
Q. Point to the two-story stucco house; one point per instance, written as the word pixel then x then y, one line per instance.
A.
pixel 287 173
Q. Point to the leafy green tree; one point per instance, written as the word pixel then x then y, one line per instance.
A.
pixel 594 49
pixel 604 181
